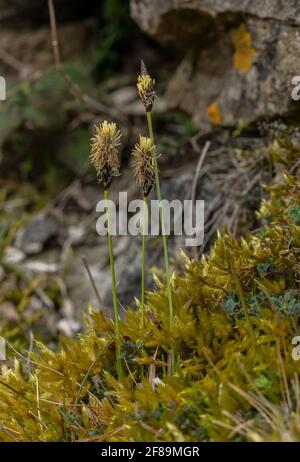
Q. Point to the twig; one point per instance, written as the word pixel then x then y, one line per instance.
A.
pixel 198 169
pixel 85 378
pixel 38 402
pixel 130 373
pixel 92 280
pixel 72 86
pixel 30 349
pixel 152 370
pixel 195 181
pixel 14 63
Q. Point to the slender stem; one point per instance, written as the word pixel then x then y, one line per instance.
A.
pixel 114 289
pixel 143 263
pixel 242 298
pixel 164 238
pixel 145 222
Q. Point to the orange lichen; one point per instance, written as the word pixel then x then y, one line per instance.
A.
pixel 214 113
pixel 244 52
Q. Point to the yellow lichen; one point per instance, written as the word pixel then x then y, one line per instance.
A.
pixel 214 113
pixel 244 52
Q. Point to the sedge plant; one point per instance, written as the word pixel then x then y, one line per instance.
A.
pixel 145 176
pixel 104 157
pixel 146 90
pixel 144 173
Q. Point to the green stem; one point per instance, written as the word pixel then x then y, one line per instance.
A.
pixel 164 238
pixel 143 264
pixel 114 289
pixel 143 273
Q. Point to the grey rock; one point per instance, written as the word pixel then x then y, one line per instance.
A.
pixel 215 32
pixel 38 232
pixel 12 255
pixel 41 267
pixel 8 311
pixel 68 327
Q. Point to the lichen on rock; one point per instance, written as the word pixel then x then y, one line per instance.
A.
pixel 241 55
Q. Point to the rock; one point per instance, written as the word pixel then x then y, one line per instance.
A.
pixel 8 311
pixel 79 286
pixel 126 98
pixel 38 232
pixel 68 327
pixel 123 96
pixel 76 234
pixel 41 267
pixel 67 309
pixel 242 56
pixel 12 255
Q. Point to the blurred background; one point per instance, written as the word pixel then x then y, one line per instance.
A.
pixel 223 77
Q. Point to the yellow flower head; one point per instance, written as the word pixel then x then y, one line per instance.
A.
pixel 146 88
pixel 104 155
pixel 143 165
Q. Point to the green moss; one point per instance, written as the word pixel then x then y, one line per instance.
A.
pixel 235 376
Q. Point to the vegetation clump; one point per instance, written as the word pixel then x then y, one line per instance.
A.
pixel 236 375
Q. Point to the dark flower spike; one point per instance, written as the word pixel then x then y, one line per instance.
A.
pixel 146 88
pixel 104 154
pixel 143 165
